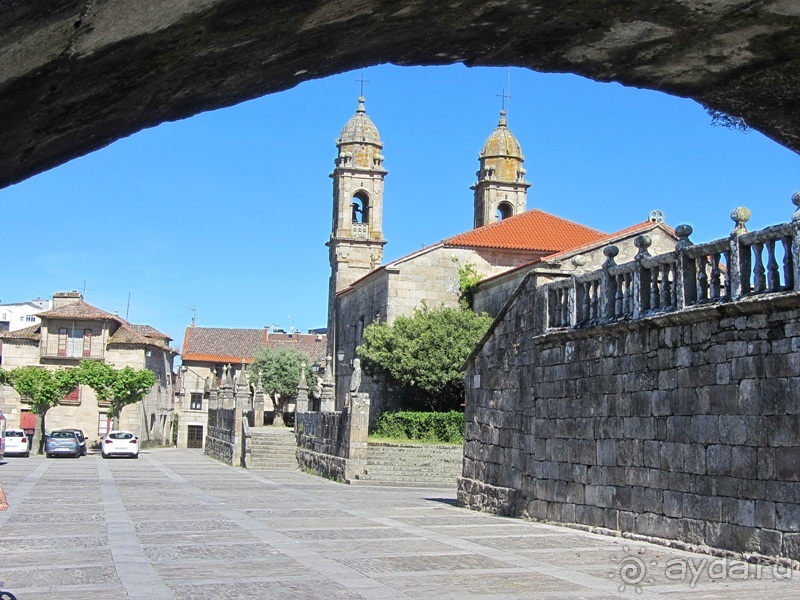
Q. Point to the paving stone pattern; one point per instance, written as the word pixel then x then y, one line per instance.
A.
pixel 81 529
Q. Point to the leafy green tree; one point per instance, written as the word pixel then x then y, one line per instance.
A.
pixel 43 389
pixel 422 354
pixel 118 387
pixel 280 375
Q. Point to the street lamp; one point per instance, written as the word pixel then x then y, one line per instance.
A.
pixel 340 356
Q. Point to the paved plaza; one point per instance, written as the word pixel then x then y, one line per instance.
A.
pixel 177 524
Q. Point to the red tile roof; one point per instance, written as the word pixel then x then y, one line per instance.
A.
pixel 29 333
pixel 312 345
pixel 221 345
pixel 78 310
pixel 533 230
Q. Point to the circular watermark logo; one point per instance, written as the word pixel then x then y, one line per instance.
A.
pixel 632 569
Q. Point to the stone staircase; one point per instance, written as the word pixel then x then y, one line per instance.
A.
pixel 272 448
pixel 411 465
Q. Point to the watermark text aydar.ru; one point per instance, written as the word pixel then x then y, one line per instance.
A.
pixel 692 570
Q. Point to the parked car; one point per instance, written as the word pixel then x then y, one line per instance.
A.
pixel 61 442
pixel 17 443
pixel 120 443
pixel 81 439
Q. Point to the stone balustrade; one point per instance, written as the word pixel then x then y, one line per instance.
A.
pixel 744 264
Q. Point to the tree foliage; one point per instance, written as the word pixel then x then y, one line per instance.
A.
pixel 422 354
pixel 43 389
pixel 468 280
pixel 118 387
pixel 280 375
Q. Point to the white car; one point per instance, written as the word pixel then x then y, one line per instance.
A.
pixel 120 443
pixel 17 443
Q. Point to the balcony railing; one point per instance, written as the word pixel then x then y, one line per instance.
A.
pixel 742 265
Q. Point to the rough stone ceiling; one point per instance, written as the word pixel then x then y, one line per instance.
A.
pixel 77 75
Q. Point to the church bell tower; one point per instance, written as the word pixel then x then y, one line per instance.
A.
pixel 501 190
pixel 356 244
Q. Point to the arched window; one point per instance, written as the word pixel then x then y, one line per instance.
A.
pixel 504 210
pixel 360 207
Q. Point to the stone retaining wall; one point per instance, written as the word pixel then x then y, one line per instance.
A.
pixel 221 439
pixel 683 426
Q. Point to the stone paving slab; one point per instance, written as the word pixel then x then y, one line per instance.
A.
pixel 176 524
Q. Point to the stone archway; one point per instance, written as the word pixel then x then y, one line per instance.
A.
pixel 76 75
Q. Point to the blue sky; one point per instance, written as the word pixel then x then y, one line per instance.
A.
pixel 228 212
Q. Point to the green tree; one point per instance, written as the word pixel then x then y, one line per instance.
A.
pixel 468 280
pixel 422 354
pixel 118 387
pixel 280 375
pixel 43 389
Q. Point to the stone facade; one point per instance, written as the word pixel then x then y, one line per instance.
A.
pixel 679 421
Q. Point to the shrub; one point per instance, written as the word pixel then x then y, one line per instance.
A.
pixel 446 427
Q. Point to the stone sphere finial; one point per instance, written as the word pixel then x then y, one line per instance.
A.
pixel 740 215
pixel 683 232
pixel 610 252
pixel 642 242
pixel 796 202
pixel 578 260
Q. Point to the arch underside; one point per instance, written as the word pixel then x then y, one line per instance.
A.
pixel 75 76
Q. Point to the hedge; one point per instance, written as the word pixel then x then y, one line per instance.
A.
pixel 446 427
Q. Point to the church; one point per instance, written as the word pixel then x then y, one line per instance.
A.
pixel 508 242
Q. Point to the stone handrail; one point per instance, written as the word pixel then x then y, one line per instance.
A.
pixel 744 264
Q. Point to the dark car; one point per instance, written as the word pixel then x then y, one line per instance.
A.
pixel 62 443
pixel 81 438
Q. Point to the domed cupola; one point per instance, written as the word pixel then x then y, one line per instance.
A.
pixel 360 143
pixel 501 190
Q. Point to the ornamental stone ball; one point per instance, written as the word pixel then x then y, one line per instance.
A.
pixel 610 251
pixel 683 232
pixel 578 260
pixel 740 215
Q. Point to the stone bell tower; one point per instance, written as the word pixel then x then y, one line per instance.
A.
pixel 356 244
pixel 501 190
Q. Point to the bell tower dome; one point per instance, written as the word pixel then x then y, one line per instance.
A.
pixel 501 190
pixel 356 244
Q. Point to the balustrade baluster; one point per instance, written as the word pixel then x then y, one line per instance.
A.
pixel 702 279
pixel 595 299
pixel 654 295
pixel 773 276
pixel 666 293
pixel 585 302
pixel 565 308
pixel 627 295
pixel 759 281
pixel 727 274
pixel 788 267
pixel 618 296
pixel 715 283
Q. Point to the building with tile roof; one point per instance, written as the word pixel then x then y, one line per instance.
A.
pixel 72 330
pixel 207 351
pixel 507 241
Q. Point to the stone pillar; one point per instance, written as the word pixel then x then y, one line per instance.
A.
pixel 244 399
pixel 641 277
pixel 608 285
pixel 328 398
pixel 258 404
pixel 302 391
pixel 227 398
pixel 740 261
pixel 357 432
pixel 686 274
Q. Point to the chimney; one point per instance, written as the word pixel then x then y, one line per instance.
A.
pixel 64 298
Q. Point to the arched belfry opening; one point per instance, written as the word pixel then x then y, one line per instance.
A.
pixel 360 207
pixel 504 210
